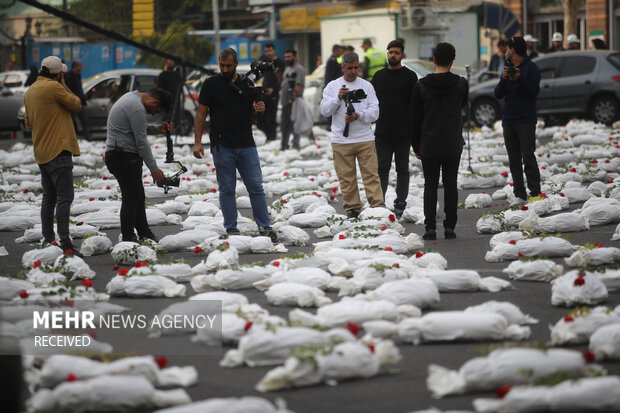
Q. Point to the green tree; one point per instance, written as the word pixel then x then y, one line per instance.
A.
pixel 175 40
pixel 115 15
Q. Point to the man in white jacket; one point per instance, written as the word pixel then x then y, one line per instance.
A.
pixel 359 144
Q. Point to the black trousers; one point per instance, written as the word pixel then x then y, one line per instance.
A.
pixel 520 143
pixel 449 168
pixel 81 116
pixel 399 149
pixel 127 169
pixel 269 122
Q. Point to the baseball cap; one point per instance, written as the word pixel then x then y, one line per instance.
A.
pixel 572 38
pixel 529 38
pixel 557 37
pixel 53 64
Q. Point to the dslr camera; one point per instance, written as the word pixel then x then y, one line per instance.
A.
pixel 511 70
pixel 258 68
pixel 354 96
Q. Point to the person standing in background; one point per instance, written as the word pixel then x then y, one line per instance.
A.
pixel 498 61
pixel 394 87
pixel 530 42
pixel 293 82
pixel 271 83
pixel 170 80
pixel 73 78
pixel 556 41
pixel 374 60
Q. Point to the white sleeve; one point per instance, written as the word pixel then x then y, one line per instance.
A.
pixel 330 101
pixel 370 113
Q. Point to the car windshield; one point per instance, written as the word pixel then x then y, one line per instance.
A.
pixel 420 67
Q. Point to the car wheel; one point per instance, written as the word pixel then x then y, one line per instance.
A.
pixel 485 112
pixel 605 109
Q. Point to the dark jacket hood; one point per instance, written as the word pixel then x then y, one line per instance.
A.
pixel 440 83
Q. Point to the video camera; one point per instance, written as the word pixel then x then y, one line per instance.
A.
pixel 175 179
pixel 349 98
pixel 258 69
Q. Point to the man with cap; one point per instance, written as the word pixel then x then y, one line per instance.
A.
pixel 49 103
pixel 530 42
pixel 573 42
pixel 557 46
pixel 520 87
pixel 374 60
pixel 127 147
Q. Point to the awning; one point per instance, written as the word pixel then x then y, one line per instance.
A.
pixel 497 16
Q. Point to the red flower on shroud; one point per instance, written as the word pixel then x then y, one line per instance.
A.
pixel 524 208
pixel 388 248
pixel 392 218
pixel 79 224
pixel 383 228
pixel 395 265
pixel 521 255
pixel 594 161
pixel 276 263
pixel 335 190
pixel 123 271
pixel 26 190
pixel 197 250
pixel 69 252
pixel 115 268
pixel 573 170
pixel 579 281
pixel 213 190
pixel 371 347
pixel 331 197
pixel 162 362
pixel 36 264
pixel 502 391
pixel 23 294
pixel 86 283
pixel 71 377
pixel 247 326
pixel 588 356
pixel 568 319
pixel 419 254
pixel 354 328
pixel 342 236
pixel 512 241
pixel 505 174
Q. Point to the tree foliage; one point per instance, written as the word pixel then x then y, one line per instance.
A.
pixel 115 15
pixel 175 40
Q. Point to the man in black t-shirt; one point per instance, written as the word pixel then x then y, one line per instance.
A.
pixel 232 145
pixel 394 87
pixel 271 83
pixel 170 80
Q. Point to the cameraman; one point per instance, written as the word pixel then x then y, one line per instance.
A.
pixel 520 84
pixel 293 82
pixel 271 83
pixel 359 144
pixel 127 147
pixel 232 144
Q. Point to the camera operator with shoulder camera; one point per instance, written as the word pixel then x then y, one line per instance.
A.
pixel 271 83
pixel 293 82
pixel 353 106
pixel 520 84
pixel 229 99
pixel 127 147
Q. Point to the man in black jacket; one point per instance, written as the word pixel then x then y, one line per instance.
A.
pixel 520 87
pixel 394 86
pixel 437 140
pixel 271 84
pixel 73 80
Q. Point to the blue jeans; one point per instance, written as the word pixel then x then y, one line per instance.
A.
pixel 57 183
pixel 245 160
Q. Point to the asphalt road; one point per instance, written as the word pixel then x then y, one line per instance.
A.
pixel 400 389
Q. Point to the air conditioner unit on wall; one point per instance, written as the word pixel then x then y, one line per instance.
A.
pixel 417 17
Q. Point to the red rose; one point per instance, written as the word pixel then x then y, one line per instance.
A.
pixel 573 170
pixel 371 347
pixel 335 190
pixel 123 271
pixel 512 241
pixel 383 228
pixel 247 326
pixel 283 201
pixel 502 391
pixel 521 255
pixel 562 194
pixel 395 265
pixel 419 254
pixel 579 281
pixel 69 252
pixel 342 236
pixel 86 283
pixel 311 179
pixel 26 190
pixel 331 197
pixel 606 160
pixel 23 294
pixel 91 199
pixel 512 184
pixel 285 174
pixel 594 161
pixel 588 356
pixel 505 174
pixel 197 250
pixel 388 248
pixel 276 263
pixel 36 264
pixel 71 377
pixel 543 167
pixel 104 178
pixel 79 224
pixel 568 319
pixel 354 328
pixel 392 218
pixel 226 243
pixel 54 243
pixel 543 195
pixel 524 208
pixel 162 361
pixel 115 268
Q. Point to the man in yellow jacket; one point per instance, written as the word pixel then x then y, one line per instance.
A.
pixel 49 103
pixel 374 60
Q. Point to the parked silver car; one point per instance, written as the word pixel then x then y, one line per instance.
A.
pixel 11 98
pixel 104 89
pixel 581 83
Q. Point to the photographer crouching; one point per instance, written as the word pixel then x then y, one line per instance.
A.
pixel 127 147
pixel 353 106
pixel 233 104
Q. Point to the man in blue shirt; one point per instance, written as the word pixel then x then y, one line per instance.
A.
pixel 520 84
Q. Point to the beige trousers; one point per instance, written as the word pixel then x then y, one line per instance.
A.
pixel 344 162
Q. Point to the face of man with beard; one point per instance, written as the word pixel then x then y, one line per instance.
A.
pixel 228 67
pixel 394 56
pixel 289 58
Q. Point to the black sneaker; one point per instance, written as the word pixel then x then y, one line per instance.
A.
pixel 69 249
pixel 271 234
pixel 449 233
pixel 351 213
pixel 430 234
